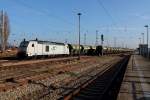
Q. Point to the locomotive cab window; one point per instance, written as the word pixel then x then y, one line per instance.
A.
pixel 47 48
pixel 32 45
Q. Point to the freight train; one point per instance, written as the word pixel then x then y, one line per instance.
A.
pixel 35 48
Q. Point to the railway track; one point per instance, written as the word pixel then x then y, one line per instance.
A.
pixel 10 63
pixel 103 86
pixel 52 91
pixel 72 85
pixel 21 74
pixel 26 71
pixel 53 88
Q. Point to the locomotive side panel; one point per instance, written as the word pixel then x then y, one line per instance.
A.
pixel 32 48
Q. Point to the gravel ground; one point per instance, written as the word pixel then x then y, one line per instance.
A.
pixel 57 79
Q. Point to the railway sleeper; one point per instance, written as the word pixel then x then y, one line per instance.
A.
pixel 98 89
pixel 91 92
pixel 86 97
pixel 95 86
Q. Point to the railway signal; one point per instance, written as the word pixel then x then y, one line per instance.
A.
pixel 147 40
pixel 79 14
pixel 102 39
pixel 96 42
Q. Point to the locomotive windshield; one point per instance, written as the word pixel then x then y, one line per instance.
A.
pixel 24 44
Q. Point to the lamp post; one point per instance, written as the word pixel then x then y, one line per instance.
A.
pixel 143 37
pixel 79 14
pixel 115 41
pixel 139 40
pixel 139 46
pixel 147 40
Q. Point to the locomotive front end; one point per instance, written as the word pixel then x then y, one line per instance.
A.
pixel 22 52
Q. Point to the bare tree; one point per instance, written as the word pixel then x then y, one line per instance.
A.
pixel 4 30
pixel 1 28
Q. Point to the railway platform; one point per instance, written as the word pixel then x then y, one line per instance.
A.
pixel 136 82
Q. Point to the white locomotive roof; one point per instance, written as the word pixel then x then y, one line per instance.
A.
pixel 48 42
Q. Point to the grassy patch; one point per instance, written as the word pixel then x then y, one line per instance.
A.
pixel 71 74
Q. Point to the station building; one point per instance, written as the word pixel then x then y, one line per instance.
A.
pixel 143 49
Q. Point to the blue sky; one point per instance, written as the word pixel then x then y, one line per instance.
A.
pixel 57 20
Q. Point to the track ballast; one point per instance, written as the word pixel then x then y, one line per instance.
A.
pixel 104 87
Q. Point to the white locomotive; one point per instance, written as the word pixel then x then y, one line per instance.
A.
pixel 42 48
